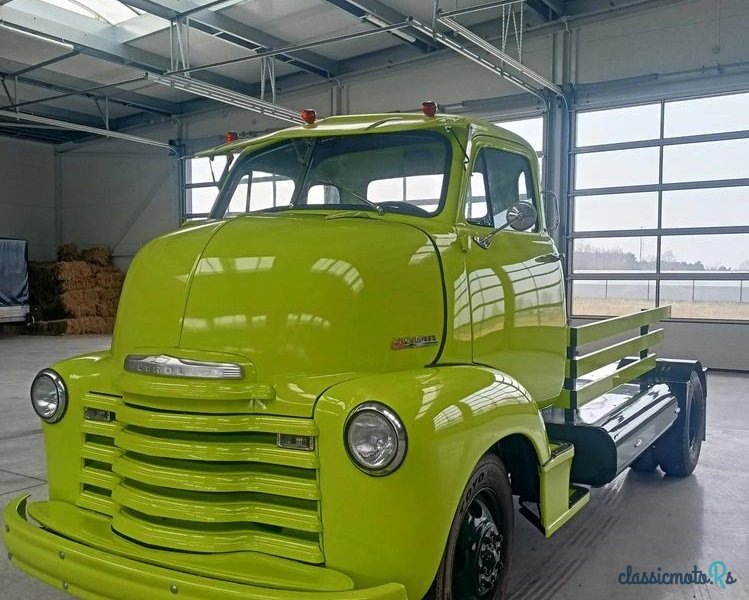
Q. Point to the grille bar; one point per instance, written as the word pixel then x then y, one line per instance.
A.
pixel 210 449
pixel 218 508
pixel 188 537
pixel 222 477
pixel 149 419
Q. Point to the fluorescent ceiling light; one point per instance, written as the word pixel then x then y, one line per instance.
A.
pixel 36 36
pixel 9 114
pixel 214 92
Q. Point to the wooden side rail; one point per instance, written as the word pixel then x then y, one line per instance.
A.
pixel 574 396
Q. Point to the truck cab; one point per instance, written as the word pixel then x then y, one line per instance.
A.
pixel 334 387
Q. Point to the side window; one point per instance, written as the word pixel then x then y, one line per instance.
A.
pixel 506 178
pixel 258 190
pixel 477 204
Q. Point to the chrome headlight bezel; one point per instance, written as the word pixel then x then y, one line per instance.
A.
pixel 398 431
pixel 61 391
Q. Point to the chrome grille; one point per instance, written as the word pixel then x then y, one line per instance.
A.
pixel 202 482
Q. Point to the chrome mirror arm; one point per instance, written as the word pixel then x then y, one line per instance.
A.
pixel 486 240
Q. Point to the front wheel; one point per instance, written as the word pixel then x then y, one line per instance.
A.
pixel 476 562
pixel 679 450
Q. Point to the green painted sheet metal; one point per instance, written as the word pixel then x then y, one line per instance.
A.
pixel 578 397
pixel 600 358
pixel 594 332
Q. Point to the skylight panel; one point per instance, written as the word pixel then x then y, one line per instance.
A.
pixel 106 11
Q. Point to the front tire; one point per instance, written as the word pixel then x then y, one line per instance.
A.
pixel 679 450
pixel 476 562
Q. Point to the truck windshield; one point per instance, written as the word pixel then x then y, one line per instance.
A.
pixel 390 172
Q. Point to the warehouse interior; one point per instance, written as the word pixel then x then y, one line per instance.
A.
pixel 638 111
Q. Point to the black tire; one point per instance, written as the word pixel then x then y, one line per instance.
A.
pixel 646 462
pixel 678 451
pixel 480 537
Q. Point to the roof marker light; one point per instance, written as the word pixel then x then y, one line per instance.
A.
pixel 231 136
pixel 309 116
pixel 429 108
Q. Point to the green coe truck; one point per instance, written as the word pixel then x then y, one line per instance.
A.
pixel 340 385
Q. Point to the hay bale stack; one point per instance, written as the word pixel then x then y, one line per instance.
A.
pixel 68 252
pixel 76 296
pixel 75 275
pixel 97 255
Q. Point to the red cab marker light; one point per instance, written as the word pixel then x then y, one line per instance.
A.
pixel 309 116
pixel 231 136
pixel 429 108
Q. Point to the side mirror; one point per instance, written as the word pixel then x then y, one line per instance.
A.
pixel 520 216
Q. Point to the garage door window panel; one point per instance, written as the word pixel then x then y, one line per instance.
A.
pixel 629 124
pixel 706 161
pixel 698 116
pixel 611 297
pixel 616 212
pixel 678 173
pixel 615 255
pixel 616 168
pixel 706 207
pixel 712 253
pixel 701 299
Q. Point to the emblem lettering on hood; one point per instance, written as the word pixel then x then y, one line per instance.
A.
pixel 419 341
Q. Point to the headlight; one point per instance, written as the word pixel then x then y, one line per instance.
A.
pixel 49 396
pixel 375 438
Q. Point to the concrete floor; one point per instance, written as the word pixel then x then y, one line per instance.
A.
pixel 647 521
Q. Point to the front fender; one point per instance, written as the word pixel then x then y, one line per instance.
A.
pixel 395 528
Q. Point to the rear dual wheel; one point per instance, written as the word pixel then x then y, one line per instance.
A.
pixel 476 562
pixel 678 450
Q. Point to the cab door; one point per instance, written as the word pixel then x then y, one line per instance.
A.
pixel 516 285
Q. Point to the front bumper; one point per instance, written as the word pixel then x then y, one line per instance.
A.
pixel 93 574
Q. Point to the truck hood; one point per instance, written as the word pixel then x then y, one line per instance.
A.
pixel 306 300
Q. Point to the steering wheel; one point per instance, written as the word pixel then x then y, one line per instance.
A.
pixel 404 207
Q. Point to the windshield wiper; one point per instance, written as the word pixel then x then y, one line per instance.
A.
pixel 354 193
pixel 466 160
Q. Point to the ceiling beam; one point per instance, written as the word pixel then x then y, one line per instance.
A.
pixel 41 65
pixel 377 13
pixel 548 10
pixel 58 82
pixel 557 6
pixel 213 22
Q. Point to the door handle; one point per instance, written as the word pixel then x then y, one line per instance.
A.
pixel 550 258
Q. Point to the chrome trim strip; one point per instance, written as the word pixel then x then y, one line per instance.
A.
pixel 171 366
